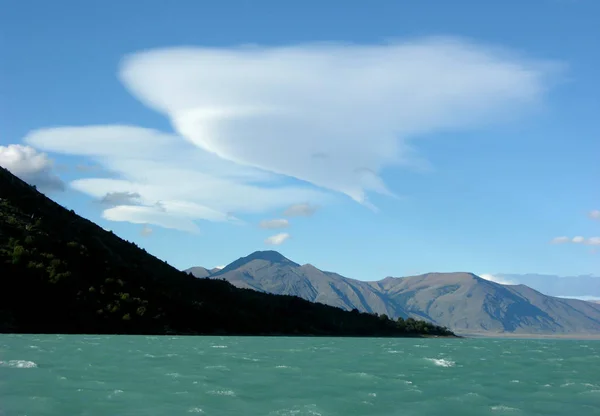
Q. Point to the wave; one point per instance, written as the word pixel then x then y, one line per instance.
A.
pixel 18 364
pixel 442 362
pixel 195 410
pixel 222 392
pixel 503 408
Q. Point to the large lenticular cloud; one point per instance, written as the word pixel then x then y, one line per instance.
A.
pixel 332 115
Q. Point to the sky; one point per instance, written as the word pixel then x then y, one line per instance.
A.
pixel 389 139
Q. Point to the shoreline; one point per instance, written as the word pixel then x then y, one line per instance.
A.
pixel 501 335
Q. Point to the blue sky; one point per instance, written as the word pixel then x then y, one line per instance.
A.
pixel 425 136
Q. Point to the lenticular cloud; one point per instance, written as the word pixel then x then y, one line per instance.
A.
pixel 331 115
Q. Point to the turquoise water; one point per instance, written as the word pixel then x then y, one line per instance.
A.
pixel 127 375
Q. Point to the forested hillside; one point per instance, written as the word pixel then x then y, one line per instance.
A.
pixel 61 273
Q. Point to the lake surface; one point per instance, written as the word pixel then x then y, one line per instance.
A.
pixel 137 375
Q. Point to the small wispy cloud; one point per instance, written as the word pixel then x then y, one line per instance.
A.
pixel 300 210
pixel 274 224
pixel 120 198
pixel 146 231
pixel 31 166
pixel 497 279
pixel 592 241
pixel 277 239
pixel 595 214
pixel 85 168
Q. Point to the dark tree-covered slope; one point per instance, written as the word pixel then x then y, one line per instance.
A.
pixel 60 273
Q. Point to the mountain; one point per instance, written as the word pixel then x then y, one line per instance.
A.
pixel 567 286
pixel 463 302
pixel 199 272
pixel 269 271
pixel 64 274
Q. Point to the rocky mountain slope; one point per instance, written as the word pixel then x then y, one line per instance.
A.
pixel 463 302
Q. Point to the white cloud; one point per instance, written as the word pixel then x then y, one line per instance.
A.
pixel 595 214
pixel 277 239
pixel 31 166
pixel 146 231
pixel 594 241
pixel 586 298
pixel 300 210
pixel 275 223
pixel 220 267
pixel 120 198
pixel 168 175
pixel 497 279
pixel 334 115
pixel 149 215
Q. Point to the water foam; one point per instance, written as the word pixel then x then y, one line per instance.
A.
pixel 18 364
pixel 442 362
pixel 503 408
pixel 222 392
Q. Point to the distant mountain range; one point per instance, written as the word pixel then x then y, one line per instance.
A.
pixel 563 286
pixel 463 302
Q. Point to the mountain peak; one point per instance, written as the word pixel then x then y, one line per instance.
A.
pixel 271 256
pixel 268 255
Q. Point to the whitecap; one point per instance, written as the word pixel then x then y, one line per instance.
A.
pixel 441 362
pixel 216 367
pixel 195 410
pixel 515 381
pixel 222 392
pixel 503 408
pixel 282 366
pixel 373 394
pixel 218 346
pixel 115 393
pixel 174 375
pixel 18 364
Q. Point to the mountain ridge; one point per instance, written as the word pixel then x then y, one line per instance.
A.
pixel 462 301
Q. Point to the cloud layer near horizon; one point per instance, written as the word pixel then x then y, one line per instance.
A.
pixel 330 115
